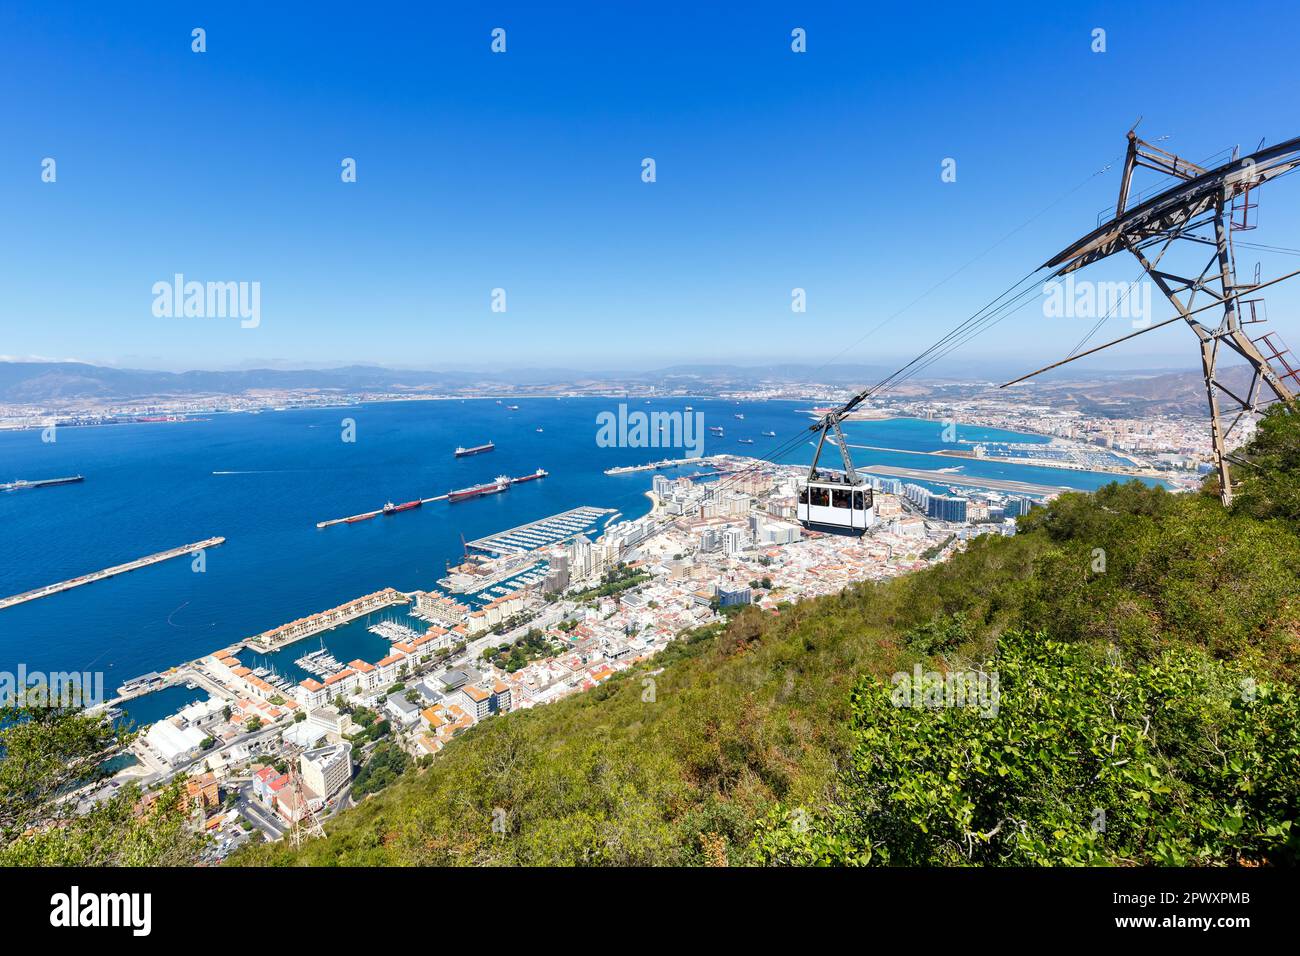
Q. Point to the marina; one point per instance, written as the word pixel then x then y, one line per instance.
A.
pixel 394 631
pixel 321 663
pixel 323 621
pixel 541 534
pixel 109 572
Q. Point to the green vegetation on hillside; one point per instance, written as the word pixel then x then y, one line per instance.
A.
pixel 51 752
pixel 1146 645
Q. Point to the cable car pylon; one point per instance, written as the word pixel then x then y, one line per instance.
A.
pixel 1201 211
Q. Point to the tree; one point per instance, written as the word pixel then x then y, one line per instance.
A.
pixel 50 752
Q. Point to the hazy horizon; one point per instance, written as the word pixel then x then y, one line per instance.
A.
pixel 776 172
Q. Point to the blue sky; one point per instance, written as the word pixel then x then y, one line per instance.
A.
pixel 522 171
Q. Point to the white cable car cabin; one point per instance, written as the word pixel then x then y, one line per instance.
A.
pixel 839 502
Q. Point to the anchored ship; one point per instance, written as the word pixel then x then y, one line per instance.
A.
pixel 490 488
pixel 745 441
pixel 392 509
pixel 22 483
pixel 769 434
pixel 539 473
pixel 461 451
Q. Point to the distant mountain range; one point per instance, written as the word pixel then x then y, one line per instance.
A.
pixel 1166 394
pixel 35 382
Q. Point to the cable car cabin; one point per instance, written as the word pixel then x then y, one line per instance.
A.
pixel 832 503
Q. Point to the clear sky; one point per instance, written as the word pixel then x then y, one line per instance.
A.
pixel 522 171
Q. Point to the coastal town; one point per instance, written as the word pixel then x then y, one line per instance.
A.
pixel 280 734
pixel 264 754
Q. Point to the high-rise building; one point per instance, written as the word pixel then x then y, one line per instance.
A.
pixel 947 508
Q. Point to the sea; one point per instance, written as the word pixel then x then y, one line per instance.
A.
pixel 263 481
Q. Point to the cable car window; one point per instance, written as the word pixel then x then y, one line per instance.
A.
pixel 840 498
pixel 857 501
pixel 803 496
pixel 821 497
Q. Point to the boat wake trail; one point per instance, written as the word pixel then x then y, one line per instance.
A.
pixel 185 626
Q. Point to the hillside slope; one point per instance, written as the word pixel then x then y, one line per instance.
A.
pixel 1099 598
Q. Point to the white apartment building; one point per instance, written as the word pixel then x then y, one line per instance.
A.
pixel 326 769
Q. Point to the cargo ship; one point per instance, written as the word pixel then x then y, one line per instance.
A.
pixel 461 451
pixel 740 416
pixel 716 429
pixel 355 518
pixel 769 434
pixel 22 484
pixel 392 509
pixel 539 473
pixel 477 491
pixel 745 441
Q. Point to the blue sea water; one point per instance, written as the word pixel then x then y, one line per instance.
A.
pixel 150 487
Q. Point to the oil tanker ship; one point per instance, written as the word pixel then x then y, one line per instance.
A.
pixel 392 509
pixel 462 452
pixel 477 491
pixel 22 484
pixel 539 473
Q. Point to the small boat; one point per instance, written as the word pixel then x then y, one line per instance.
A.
pixel 539 431
pixel 769 434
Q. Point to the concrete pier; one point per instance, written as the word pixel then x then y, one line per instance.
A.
pixel 109 572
